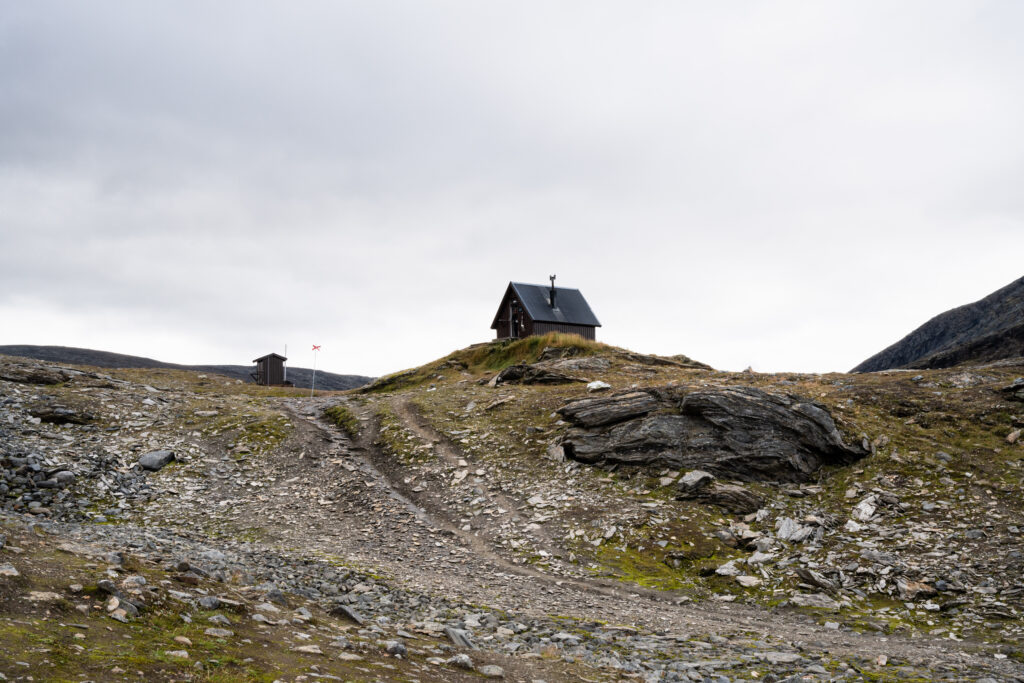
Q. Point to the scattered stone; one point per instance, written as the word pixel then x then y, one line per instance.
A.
pixel 155 460
pixel 491 671
pixel 819 600
pixel 460 637
pixel 219 632
pixel 348 613
pixel 460 661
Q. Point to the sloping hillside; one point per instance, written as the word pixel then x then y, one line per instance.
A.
pixel 546 509
pixel 984 331
pixel 300 377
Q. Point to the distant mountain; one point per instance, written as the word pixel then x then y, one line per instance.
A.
pixel 987 330
pixel 300 377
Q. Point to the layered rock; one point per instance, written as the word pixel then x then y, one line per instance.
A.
pixel 735 432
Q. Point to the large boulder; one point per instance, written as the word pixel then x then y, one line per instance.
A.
pixel 739 433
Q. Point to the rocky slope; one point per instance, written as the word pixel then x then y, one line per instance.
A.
pixel 162 525
pixel 984 331
pixel 300 377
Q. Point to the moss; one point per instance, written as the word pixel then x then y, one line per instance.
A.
pixel 343 418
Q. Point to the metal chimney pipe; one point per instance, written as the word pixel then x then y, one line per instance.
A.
pixel 552 301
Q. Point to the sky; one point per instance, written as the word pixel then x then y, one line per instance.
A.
pixel 787 186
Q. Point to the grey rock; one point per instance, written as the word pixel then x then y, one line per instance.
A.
pixel 730 497
pixel 219 632
pixel 348 613
pixel 26 373
pixel 740 432
pixel 596 412
pixel 155 460
pixel 461 661
pixel 491 671
pixel 533 374
pixel 55 414
pixel 460 637
pixel 694 480
pixel 819 600
pixel 395 647
pixel 815 579
pixel 209 602
pixel 790 530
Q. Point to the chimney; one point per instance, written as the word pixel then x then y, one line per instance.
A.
pixel 552 292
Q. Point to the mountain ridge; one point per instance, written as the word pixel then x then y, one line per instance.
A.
pixel 299 377
pixel 989 329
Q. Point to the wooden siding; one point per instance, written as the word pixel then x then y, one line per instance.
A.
pixel 269 371
pixel 585 331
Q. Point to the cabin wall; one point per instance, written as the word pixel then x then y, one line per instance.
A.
pixel 585 331
pixel 276 371
pixel 503 330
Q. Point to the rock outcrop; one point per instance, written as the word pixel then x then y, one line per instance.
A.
pixel 987 330
pixel 532 374
pixel 740 433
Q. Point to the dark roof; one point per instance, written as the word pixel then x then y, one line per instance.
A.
pixel 276 355
pixel 570 306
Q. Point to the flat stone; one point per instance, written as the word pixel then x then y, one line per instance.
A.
pixel 219 632
pixel 819 600
pixel 459 637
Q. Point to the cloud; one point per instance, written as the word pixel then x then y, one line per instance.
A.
pixel 789 185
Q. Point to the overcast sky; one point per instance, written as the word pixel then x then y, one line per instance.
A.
pixel 782 185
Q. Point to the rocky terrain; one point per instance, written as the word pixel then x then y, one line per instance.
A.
pixel 596 515
pixel 300 377
pixel 985 331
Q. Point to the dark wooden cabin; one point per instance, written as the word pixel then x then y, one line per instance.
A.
pixel 269 370
pixel 527 310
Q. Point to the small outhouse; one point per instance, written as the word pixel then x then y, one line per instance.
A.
pixel 269 370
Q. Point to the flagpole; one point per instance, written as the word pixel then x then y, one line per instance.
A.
pixel 312 388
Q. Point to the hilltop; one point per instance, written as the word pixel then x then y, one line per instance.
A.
pixel 300 377
pixel 984 331
pixel 549 508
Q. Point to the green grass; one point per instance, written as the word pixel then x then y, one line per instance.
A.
pixel 499 355
pixel 343 418
pixel 485 358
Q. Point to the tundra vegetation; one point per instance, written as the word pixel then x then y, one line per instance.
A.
pixel 549 508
